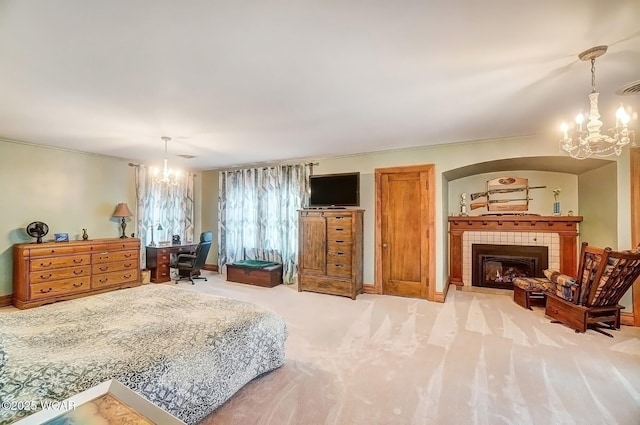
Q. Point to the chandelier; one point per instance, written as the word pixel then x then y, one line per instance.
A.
pixel 581 143
pixel 166 176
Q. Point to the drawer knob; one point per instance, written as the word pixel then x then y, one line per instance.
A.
pixel 78 260
pixel 45 277
pixel 339 241
pixel 339 229
pixel 104 268
pixel 127 276
pixel 127 255
pixel 77 272
pixel 104 280
pixel 77 285
pixel 42 291
pixel 46 265
pixel 128 265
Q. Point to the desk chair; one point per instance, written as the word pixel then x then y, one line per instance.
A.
pixel 189 265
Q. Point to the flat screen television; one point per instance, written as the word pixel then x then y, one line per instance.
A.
pixel 335 190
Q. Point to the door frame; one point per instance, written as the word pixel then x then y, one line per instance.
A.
pixel 634 170
pixel 430 219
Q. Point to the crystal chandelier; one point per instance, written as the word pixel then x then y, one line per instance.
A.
pixel 166 176
pixel 581 143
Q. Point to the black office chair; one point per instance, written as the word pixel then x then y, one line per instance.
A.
pixel 189 265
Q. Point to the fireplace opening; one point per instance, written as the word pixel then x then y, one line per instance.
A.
pixel 495 266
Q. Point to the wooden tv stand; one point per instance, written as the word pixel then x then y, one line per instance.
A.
pixel 54 271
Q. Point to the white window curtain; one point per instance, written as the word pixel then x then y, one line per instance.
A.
pixel 258 215
pixel 166 206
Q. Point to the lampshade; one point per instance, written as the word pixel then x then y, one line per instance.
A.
pixel 122 210
pixel 160 227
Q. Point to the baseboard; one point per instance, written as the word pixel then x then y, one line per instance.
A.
pixel 211 267
pixel 6 300
pixel 369 289
pixel 626 318
pixel 441 296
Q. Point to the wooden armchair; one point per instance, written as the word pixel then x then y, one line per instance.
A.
pixel 603 278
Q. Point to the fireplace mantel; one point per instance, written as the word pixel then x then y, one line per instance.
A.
pixel 565 226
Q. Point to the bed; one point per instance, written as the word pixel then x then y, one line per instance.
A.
pixel 184 351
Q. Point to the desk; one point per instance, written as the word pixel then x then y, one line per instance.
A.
pixel 159 260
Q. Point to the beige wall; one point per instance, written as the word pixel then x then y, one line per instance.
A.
pixel 67 190
pixel 541 199
pixel 210 210
pixel 599 207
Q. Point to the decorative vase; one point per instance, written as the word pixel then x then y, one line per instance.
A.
pixel 85 237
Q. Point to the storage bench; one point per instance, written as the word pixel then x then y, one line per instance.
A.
pixel 254 272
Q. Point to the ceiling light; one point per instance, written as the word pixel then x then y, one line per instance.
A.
pixel 581 143
pixel 165 176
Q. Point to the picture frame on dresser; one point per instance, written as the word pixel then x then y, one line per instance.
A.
pixel 61 237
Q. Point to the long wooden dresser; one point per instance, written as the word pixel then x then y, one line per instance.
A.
pixel 54 271
pixel 330 251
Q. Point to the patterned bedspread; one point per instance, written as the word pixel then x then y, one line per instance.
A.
pixel 184 351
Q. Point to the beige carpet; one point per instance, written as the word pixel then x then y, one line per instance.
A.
pixel 476 359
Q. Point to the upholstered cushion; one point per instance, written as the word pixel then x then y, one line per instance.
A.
pixel 566 287
pixel 539 284
pixel 559 278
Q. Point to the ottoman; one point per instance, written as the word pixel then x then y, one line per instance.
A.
pixel 529 291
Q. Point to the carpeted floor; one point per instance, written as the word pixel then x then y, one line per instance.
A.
pixel 476 359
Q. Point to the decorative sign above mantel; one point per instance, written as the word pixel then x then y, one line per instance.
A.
pixel 505 194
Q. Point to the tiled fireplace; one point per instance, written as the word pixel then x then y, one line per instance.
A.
pixel 558 234
pixel 496 265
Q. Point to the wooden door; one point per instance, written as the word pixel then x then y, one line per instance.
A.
pixel 404 223
pixel 312 243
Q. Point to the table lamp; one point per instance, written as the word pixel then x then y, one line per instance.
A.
pixel 122 210
pixel 152 228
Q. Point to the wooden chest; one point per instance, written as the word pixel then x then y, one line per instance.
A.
pixel 55 271
pixel 268 277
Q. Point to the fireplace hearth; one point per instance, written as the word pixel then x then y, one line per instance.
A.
pixel 495 266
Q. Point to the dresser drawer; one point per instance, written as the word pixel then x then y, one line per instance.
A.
pixel 47 263
pixel 58 274
pixel 59 287
pixel 116 266
pixel 339 257
pixel 113 278
pixel 339 270
pixel 323 284
pixel 109 257
pixel 58 249
pixel 338 245
pixel 126 244
pixel 339 223
pixel 339 233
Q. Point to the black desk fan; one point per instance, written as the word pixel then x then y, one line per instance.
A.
pixel 37 229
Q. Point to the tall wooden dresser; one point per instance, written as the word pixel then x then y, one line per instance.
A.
pixel 54 271
pixel 330 251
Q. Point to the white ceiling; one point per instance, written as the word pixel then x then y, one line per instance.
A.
pixel 237 82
